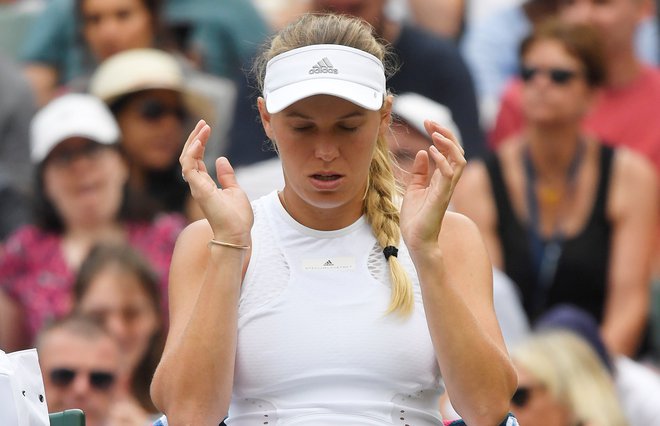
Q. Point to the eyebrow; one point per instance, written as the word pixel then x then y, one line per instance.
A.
pixel 296 114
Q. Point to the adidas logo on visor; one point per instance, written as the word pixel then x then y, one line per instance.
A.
pixel 324 66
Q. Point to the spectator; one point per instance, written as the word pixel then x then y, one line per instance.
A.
pixel 82 199
pixel 562 382
pixel 490 48
pixel 117 287
pixel 624 112
pixel 637 385
pixel 146 91
pixel 80 363
pixel 569 219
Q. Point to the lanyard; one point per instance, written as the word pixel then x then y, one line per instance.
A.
pixel 545 255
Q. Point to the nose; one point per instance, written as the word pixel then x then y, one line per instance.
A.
pixel 116 326
pixel 109 29
pixel 80 385
pixel 326 149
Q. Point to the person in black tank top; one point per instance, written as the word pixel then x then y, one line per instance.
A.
pixel 570 220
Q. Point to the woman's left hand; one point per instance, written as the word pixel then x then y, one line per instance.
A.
pixel 429 191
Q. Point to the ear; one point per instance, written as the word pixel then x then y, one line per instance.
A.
pixel 265 117
pixel 386 115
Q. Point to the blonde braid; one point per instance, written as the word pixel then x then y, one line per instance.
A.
pixel 383 216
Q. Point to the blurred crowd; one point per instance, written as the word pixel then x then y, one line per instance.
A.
pixel 554 101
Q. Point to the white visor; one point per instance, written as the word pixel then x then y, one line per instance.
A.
pixel 324 69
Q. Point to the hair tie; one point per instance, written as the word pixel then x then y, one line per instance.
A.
pixel 390 251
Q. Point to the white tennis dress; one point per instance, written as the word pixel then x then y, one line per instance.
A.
pixel 315 346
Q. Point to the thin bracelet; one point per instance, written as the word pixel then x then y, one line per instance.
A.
pixel 230 245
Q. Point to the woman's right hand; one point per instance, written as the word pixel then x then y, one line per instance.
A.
pixel 227 208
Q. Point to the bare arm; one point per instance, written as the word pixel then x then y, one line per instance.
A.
pixel 456 280
pixel 633 208
pixel 193 382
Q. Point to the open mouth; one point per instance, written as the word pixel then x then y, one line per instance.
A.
pixel 326 178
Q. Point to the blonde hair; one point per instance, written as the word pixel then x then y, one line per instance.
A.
pixel 379 204
pixel 573 374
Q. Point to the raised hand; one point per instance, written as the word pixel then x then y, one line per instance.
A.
pixel 429 191
pixel 227 208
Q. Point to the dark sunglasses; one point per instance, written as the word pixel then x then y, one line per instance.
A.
pixel 100 380
pixel 557 75
pixel 154 110
pixel 522 396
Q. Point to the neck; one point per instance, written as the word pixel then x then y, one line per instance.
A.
pixel 93 233
pixel 553 151
pixel 320 218
pixel 137 178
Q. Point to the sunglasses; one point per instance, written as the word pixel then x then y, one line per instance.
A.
pixel 558 76
pixel 523 394
pixel 154 110
pixel 99 380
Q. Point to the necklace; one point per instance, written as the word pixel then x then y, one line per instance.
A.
pixel 546 253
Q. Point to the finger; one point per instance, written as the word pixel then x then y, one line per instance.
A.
pixel 226 176
pixel 441 162
pixel 192 164
pixel 450 169
pixel 201 132
pixel 193 135
pixel 448 148
pixel 419 174
pixel 433 127
pixel 193 156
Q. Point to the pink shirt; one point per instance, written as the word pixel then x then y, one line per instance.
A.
pixel 33 270
pixel 621 116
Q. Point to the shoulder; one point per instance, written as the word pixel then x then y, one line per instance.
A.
pixel 631 168
pixel 458 230
pixel 633 187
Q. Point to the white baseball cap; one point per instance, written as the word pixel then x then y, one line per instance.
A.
pixel 71 115
pixel 414 108
pixel 328 69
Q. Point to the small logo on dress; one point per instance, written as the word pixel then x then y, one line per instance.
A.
pixel 324 66
pixel 336 263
